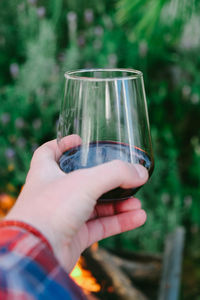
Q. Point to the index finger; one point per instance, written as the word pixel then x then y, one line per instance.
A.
pixel 53 150
pixel 67 143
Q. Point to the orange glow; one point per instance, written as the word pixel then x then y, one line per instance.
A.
pixel 94 246
pixel 6 202
pixel 84 278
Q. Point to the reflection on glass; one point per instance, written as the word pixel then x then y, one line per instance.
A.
pixel 107 109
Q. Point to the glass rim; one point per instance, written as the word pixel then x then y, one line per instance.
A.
pixel 73 74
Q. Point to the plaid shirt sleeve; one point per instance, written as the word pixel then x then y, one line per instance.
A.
pixel 28 267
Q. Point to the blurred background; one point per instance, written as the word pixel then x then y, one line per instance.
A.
pixel 40 40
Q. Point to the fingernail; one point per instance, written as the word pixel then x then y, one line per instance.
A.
pixel 142 172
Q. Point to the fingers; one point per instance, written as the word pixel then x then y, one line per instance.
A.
pixel 68 142
pixel 51 150
pixel 104 227
pixel 98 180
pixel 110 209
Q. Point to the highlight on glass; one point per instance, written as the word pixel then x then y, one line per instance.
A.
pixel 107 109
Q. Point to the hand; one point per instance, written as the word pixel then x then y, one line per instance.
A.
pixel 64 206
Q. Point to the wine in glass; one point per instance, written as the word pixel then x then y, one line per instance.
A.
pixel 107 109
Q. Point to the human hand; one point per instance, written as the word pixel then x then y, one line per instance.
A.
pixel 64 206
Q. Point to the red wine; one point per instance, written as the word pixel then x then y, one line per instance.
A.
pixel 101 152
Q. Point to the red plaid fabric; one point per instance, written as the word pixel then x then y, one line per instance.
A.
pixel 28 267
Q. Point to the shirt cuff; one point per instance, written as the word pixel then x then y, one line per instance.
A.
pixel 27 227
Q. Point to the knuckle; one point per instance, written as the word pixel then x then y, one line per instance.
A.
pixel 43 147
pixel 36 152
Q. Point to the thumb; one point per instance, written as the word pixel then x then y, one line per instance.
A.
pixel 98 180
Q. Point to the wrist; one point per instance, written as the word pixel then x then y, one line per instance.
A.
pixel 35 224
pixel 34 221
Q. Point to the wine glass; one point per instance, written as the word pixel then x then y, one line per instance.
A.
pixel 107 109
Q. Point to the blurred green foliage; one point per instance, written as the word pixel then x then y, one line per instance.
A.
pixel 40 40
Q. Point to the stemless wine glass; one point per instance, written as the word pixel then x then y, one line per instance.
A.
pixel 107 109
